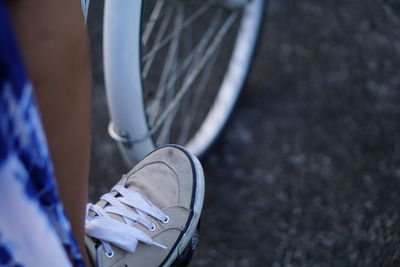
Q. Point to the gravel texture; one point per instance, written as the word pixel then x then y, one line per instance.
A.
pixel 307 171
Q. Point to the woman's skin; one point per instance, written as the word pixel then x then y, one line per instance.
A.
pixel 53 41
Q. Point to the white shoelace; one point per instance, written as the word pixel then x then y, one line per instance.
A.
pixel 100 225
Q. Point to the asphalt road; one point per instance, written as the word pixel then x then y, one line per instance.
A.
pixel 307 172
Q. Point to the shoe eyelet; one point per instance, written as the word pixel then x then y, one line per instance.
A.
pixel 166 220
pixel 110 255
pixel 153 228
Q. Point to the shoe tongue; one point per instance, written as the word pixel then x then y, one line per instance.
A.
pixel 103 203
pixel 156 182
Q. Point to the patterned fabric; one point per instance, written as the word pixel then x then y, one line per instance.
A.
pixel 85 8
pixel 34 230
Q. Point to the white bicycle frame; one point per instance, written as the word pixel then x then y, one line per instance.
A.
pixel 123 77
pixel 128 124
pixel 121 44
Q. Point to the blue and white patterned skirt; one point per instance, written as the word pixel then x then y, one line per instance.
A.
pixel 34 230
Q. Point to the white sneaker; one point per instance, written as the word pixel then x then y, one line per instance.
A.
pixel 150 217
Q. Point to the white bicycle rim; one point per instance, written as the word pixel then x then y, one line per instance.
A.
pixel 129 125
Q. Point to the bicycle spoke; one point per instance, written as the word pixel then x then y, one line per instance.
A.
pixel 190 78
pixel 165 131
pixel 213 46
pixel 194 106
pixel 171 58
pixel 152 21
pixel 160 34
pixel 186 23
pixel 199 50
pixel 189 108
pixel 170 83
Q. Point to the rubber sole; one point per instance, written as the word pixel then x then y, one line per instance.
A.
pixel 184 259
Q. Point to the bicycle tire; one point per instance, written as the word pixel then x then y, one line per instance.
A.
pixel 134 127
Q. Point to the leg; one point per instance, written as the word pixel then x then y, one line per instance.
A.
pixel 54 45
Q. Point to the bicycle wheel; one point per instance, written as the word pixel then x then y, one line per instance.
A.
pixel 186 69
